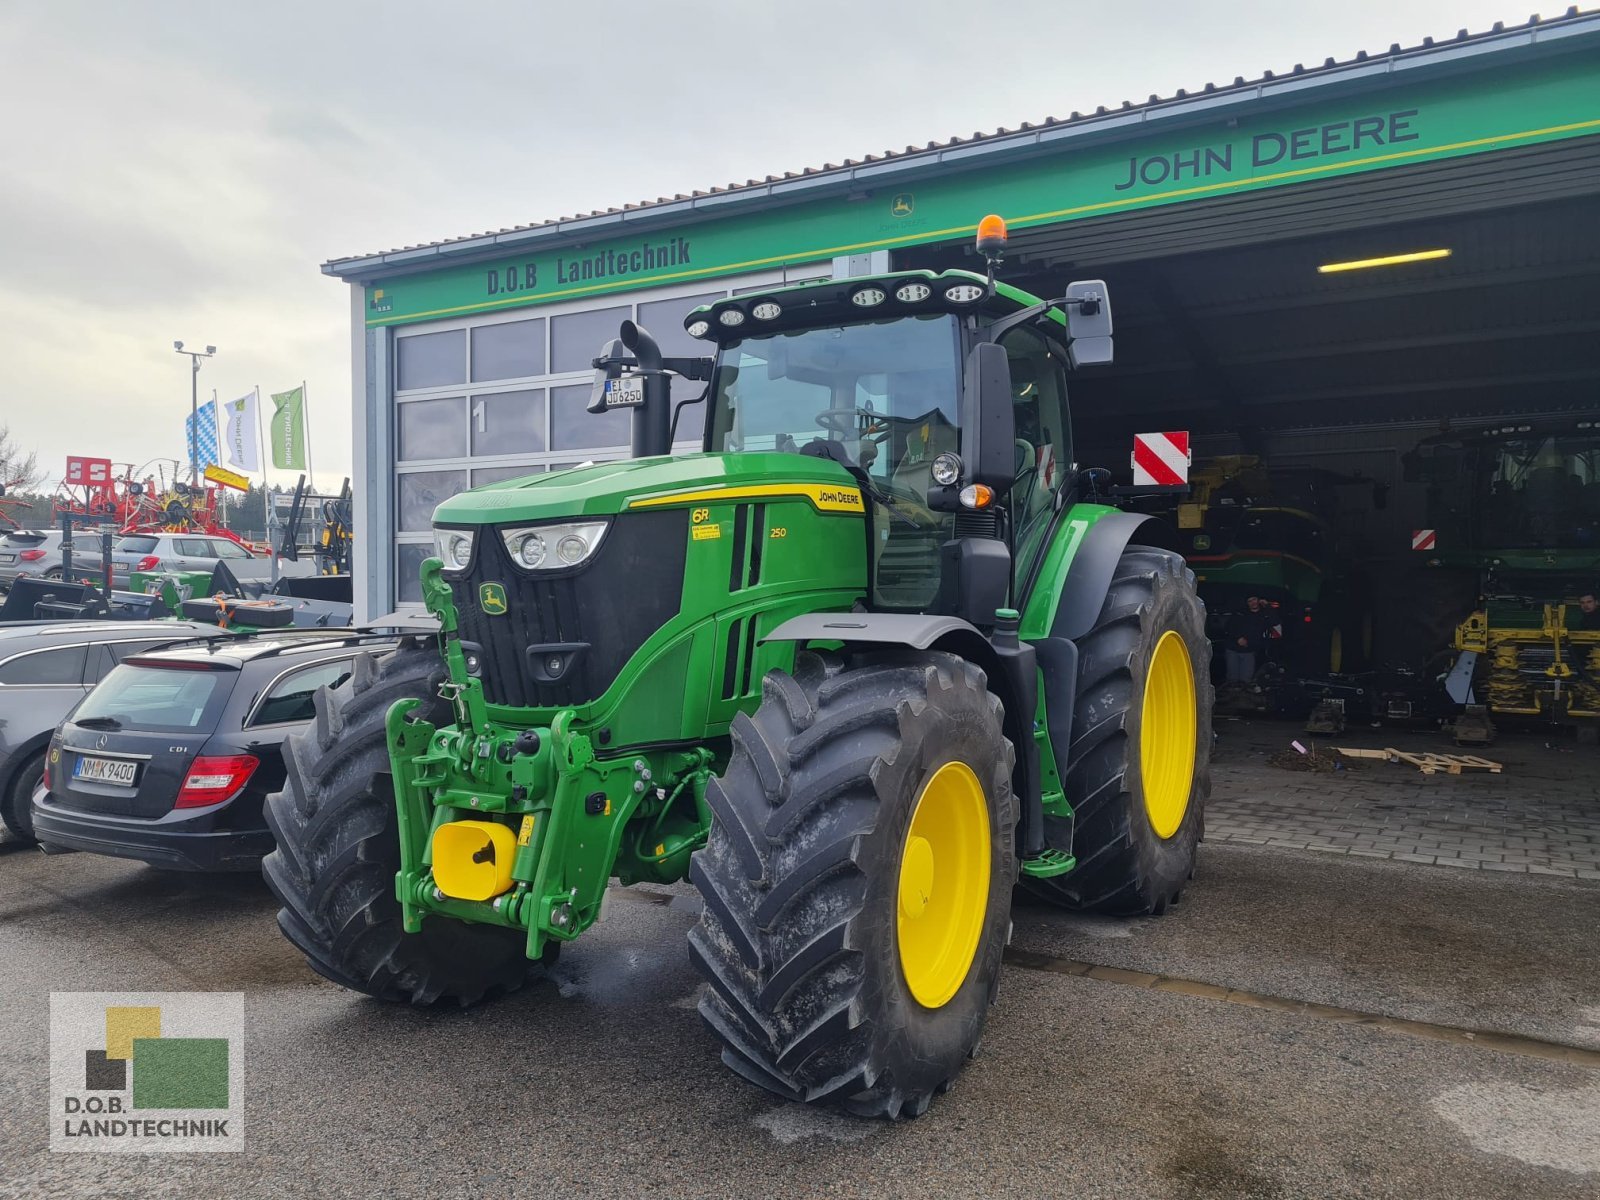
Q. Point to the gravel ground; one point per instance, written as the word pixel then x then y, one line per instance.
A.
pixel 600 1080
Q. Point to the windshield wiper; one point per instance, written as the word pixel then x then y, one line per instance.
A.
pixel 98 723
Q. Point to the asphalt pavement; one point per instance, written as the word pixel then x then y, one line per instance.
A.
pixel 599 1080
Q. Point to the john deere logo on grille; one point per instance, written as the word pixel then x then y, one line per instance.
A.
pixel 492 598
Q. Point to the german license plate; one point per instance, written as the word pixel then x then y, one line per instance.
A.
pixel 627 392
pixel 105 770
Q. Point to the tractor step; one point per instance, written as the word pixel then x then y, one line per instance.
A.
pixel 1049 864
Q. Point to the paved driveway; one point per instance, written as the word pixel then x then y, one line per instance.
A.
pixel 1540 815
pixel 1109 1067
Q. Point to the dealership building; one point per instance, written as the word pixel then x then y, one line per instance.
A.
pixel 1469 167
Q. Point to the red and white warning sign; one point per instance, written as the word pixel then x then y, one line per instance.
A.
pixel 1161 459
pixel 1424 539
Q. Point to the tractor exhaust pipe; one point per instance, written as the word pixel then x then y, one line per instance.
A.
pixel 652 421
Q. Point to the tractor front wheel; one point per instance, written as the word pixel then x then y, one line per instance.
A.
pixel 339 849
pixel 858 880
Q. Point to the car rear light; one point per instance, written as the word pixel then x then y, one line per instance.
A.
pixel 148 563
pixel 31 555
pixel 213 778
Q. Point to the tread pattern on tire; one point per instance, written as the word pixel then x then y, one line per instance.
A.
pixel 338 850
pixel 1114 874
pixel 783 880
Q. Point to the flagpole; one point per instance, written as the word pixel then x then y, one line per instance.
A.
pixel 305 416
pixel 263 450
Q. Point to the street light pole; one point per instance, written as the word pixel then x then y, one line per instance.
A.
pixel 194 408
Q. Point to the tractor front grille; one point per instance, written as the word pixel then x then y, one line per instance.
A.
pixel 613 603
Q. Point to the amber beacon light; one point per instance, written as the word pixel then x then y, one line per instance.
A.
pixel 992 236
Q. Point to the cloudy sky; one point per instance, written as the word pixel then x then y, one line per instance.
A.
pixel 180 170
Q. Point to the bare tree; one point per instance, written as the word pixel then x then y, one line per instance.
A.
pixel 18 471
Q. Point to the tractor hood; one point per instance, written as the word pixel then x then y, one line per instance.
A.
pixel 614 487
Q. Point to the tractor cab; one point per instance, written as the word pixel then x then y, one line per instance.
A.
pixel 941 395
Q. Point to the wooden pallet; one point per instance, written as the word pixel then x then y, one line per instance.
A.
pixel 1429 764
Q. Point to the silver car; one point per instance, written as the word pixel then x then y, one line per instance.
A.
pixel 154 552
pixel 32 552
pixel 36 553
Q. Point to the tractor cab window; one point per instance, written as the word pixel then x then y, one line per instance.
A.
pixel 1543 491
pixel 1044 449
pixel 886 393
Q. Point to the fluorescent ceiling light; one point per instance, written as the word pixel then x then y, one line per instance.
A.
pixel 1391 260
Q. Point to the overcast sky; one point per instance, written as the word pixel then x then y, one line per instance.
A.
pixel 180 170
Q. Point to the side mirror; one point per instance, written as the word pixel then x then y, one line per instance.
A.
pixel 988 425
pixel 1088 307
pixel 608 366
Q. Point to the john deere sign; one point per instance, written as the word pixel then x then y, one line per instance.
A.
pixel 1443 119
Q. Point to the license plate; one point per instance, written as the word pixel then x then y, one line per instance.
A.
pixel 627 392
pixel 8 558
pixel 105 770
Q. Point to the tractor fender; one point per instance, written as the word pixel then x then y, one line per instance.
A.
pixel 1083 594
pixel 1093 567
pixel 1016 686
pixel 917 630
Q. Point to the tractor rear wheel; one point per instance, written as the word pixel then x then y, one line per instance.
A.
pixel 858 880
pixel 1140 765
pixel 339 848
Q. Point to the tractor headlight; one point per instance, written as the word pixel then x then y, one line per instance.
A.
pixel 946 469
pixel 455 547
pixel 553 547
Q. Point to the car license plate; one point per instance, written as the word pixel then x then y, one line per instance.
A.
pixel 8 558
pixel 627 392
pixel 105 770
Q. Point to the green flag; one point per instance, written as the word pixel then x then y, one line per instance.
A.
pixel 289 430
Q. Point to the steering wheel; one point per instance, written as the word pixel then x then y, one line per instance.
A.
pixel 839 420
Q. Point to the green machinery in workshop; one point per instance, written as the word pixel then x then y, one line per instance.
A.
pixel 1247 530
pixel 1514 537
pixel 858 669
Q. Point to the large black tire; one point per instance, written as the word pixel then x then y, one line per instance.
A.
pixel 338 851
pixel 16 806
pixel 801 878
pixel 1125 867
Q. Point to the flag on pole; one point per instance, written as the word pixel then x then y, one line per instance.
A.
pixel 202 438
pixel 239 433
pixel 289 430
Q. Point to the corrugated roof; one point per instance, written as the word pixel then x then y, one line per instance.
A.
pixel 850 169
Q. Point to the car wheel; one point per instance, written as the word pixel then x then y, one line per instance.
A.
pixel 16 806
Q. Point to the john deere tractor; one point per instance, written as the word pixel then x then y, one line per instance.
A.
pixel 857 669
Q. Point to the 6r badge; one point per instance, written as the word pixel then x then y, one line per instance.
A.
pixel 492 599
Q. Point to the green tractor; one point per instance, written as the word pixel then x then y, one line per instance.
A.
pixel 857 670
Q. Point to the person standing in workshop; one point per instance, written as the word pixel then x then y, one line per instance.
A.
pixel 1245 639
pixel 1588 613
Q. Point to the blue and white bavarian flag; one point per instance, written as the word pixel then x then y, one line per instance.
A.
pixel 239 429
pixel 201 440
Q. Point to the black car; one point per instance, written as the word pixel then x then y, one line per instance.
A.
pixel 169 759
pixel 46 668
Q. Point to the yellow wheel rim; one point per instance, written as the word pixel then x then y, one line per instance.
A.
pixel 944 884
pixel 1167 731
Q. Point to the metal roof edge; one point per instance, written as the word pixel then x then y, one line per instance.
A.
pixel 1482 52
